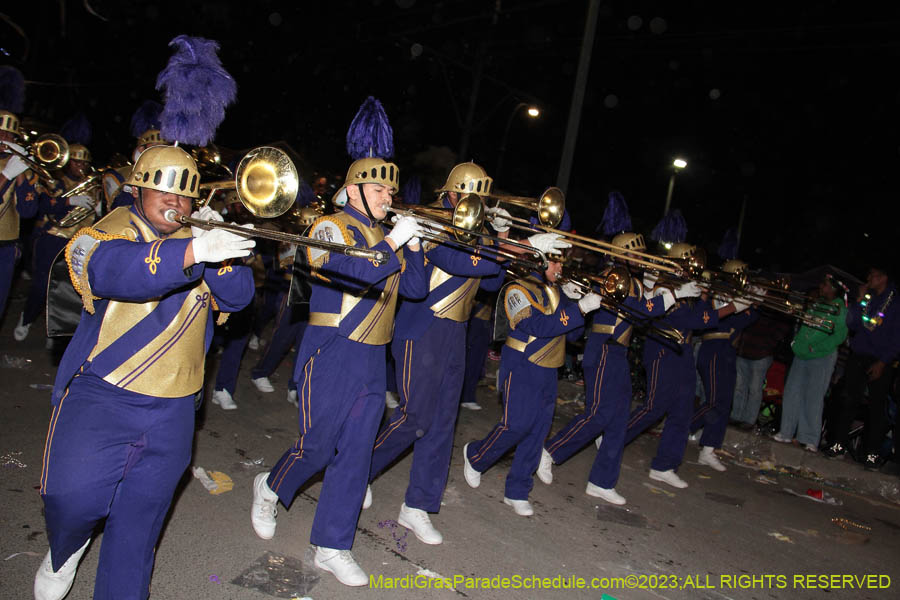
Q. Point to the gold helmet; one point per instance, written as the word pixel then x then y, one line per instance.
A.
pixel 9 122
pixel 629 241
pixel 166 169
pixel 79 152
pixel 734 266
pixel 467 178
pixel 369 170
pixel 151 136
pixel 681 250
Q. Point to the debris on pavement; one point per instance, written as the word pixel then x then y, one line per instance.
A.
pixel 781 537
pixel 400 539
pixel 822 497
pixel 215 482
pixel 9 460
pixel 279 576
pixel 8 361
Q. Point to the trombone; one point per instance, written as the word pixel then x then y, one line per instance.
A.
pixel 49 151
pixel 77 214
pixel 266 183
pixel 465 224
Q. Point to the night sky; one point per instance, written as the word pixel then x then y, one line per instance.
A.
pixel 789 105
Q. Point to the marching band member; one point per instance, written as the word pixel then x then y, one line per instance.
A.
pixel 540 320
pixel 340 365
pixel 717 364
pixel 608 389
pixel 17 199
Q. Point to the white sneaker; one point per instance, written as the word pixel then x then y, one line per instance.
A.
pixel 54 586
pixel 473 477
pixel 598 441
pixel 253 344
pixel 708 457
pixel 21 330
pixel 418 521
pixel 223 399
pixel 545 469
pixel 342 565
pixel 367 501
pixel 781 439
pixel 292 398
pixel 669 477
pixel 391 400
pixel 264 509
pixel 696 435
pixel 610 495
pixel 521 507
pixel 263 384
pixel 471 405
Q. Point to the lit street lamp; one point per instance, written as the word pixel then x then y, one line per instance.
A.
pixel 677 165
pixel 533 112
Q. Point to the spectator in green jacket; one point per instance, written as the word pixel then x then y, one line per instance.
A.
pixel 815 353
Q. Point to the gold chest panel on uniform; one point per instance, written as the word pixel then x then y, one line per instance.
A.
pixel 176 355
pixel 9 216
pixel 457 305
pixel 552 354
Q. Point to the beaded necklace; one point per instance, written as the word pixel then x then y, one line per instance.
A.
pixel 870 322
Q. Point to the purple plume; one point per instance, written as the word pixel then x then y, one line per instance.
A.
pixel 305 194
pixel 616 217
pixel 77 130
pixel 672 228
pixel 197 90
pixel 412 190
pixel 145 117
pixel 370 133
pixel 728 249
pixel 12 89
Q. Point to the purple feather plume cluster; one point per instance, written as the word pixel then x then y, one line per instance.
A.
pixel 616 217
pixel 145 117
pixel 305 194
pixel 411 192
pixel 197 90
pixel 370 133
pixel 672 228
pixel 77 130
pixel 12 89
pixel 728 249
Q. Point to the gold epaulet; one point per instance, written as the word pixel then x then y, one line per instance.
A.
pixel 117 223
pixel 79 251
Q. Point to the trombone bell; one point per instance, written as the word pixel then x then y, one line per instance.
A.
pixel 51 151
pixel 549 206
pixel 266 182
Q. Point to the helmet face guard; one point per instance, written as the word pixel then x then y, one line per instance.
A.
pixel 630 241
pixel 734 266
pixel 151 136
pixel 369 170
pixel 9 122
pixel 468 178
pixel 167 169
pixel 79 152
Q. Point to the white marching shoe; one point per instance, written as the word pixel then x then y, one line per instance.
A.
pixel 367 501
pixel 21 330
pixel 669 477
pixel 391 399
pixel 610 494
pixel 521 507
pixel 598 441
pixel 708 457
pixel 54 586
pixel 263 384
pixel 545 469
pixel 471 405
pixel 223 399
pixel 342 565
pixel 473 477
pixel 292 398
pixel 419 522
pixel 264 509
pixel 253 343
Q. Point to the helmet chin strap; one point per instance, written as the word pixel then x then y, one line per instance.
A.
pixel 365 203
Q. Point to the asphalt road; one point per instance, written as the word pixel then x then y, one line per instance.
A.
pixel 738 534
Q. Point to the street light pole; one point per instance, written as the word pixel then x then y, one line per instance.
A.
pixel 677 165
pixel 533 112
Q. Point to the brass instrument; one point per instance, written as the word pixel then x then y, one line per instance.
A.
pixel 49 151
pixel 266 183
pixel 465 224
pixel 549 206
pixel 89 186
pixel 615 286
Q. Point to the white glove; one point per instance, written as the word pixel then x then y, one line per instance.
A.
pixel 15 166
pixel 404 230
pixel 668 298
pixel 501 219
pixel 755 290
pixel 83 201
pixel 217 245
pixel 572 290
pixel 207 214
pixel 740 304
pixel 549 243
pixel 650 280
pixel 687 290
pixel 590 302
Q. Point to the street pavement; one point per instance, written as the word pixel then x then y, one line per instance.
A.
pixel 751 532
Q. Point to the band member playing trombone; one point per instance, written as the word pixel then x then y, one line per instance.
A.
pixel 340 368
pixel 607 387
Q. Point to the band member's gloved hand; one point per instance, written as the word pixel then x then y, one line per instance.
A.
pixel 501 219
pixel 688 290
pixel 668 298
pixel 741 304
pixel 572 290
pixel 83 201
pixel 589 303
pixel 15 166
pixel 404 230
pixel 217 245
pixel 549 243
pixel 649 281
pixel 755 290
pixel 207 214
